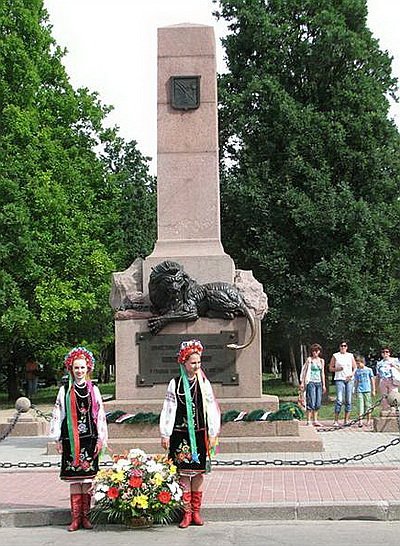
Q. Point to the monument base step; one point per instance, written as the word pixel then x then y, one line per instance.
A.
pixel 26 428
pixel 386 424
pixel 266 402
pixel 232 429
pixel 308 440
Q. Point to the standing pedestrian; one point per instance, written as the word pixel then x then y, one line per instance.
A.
pixel 80 429
pixel 31 377
pixel 343 365
pixel 364 386
pixel 312 380
pixel 189 425
pixel 384 375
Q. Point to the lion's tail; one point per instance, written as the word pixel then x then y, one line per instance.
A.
pixel 252 322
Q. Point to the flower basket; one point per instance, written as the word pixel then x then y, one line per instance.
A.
pixel 137 490
pixel 140 522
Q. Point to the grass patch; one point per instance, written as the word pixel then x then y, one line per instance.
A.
pixel 275 386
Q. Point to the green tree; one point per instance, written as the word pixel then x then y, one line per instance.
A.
pixel 132 223
pixel 60 202
pixel 311 169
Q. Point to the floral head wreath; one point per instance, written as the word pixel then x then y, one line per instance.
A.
pixel 187 348
pixel 79 352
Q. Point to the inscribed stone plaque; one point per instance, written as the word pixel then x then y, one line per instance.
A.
pixel 185 92
pixel 157 358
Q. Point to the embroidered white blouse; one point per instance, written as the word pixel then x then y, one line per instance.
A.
pixel 59 415
pixel 168 413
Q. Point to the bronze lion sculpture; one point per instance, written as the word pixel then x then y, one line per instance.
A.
pixel 175 296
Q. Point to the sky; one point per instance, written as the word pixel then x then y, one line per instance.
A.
pixel 112 49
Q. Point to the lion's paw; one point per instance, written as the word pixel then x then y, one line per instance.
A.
pixel 155 325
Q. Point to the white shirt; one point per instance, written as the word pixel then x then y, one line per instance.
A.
pixel 168 413
pixel 346 361
pixel 59 415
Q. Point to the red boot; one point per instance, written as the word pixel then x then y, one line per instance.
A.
pixel 76 499
pixel 85 511
pixel 196 505
pixel 187 514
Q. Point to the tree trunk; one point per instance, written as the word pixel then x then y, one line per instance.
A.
pixel 294 378
pixel 13 387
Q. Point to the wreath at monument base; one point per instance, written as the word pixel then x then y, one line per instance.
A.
pixel 286 412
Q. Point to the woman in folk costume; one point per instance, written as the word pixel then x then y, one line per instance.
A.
pixel 189 425
pixel 79 427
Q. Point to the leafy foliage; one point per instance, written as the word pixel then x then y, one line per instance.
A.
pixel 64 213
pixel 311 169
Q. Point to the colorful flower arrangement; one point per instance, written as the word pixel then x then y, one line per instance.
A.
pixel 137 485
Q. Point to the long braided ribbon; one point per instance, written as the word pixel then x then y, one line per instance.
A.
pixel 72 421
pixel 190 417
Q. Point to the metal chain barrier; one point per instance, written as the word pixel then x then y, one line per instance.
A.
pixel 40 413
pixel 304 462
pixel 353 421
pixel 26 405
pixel 239 462
pixel 10 427
pixel 44 464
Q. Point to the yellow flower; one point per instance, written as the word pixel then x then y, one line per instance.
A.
pixel 119 476
pixel 141 501
pixel 172 469
pixel 103 474
pixel 157 479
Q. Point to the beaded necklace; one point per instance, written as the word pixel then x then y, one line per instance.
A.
pixel 76 387
pixel 192 386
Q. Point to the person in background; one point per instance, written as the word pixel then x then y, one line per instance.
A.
pixel 384 375
pixel 79 428
pixel 343 365
pixel 31 376
pixel 190 422
pixel 312 380
pixel 364 386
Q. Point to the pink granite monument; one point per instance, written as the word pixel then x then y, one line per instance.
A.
pixel 188 224
pixel 188 233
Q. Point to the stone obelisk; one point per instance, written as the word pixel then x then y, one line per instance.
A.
pixel 189 233
pixel 188 212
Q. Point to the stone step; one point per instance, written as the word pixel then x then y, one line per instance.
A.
pixel 238 429
pixel 265 402
pixel 308 440
pixel 387 423
pixel 26 428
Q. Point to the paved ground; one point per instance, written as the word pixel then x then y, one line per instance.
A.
pixel 368 488
pixel 239 533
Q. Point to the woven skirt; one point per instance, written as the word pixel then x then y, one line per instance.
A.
pixel 180 453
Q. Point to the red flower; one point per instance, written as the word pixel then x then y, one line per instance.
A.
pixel 164 497
pixel 113 493
pixel 135 481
